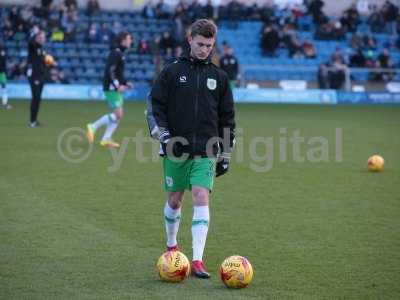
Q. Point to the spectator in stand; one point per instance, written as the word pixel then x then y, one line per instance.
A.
pixel 384 61
pixel 309 50
pixel 105 34
pixel 358 59
pixel 57 35
pixel 167 43
pixel 116 28
pixel 356 41
pixel 337 73
pixel 267 13
pixel 180 21
pixel 350 19
pixel 155 48
pixel 339 54
pixel 330 31
pixel 8 31
pixel 43 11
pixel 93 35
pixel 375 20
pixel 178 51
pixel 162 10
pixel 27 17
pixel 15 19
pixel 292 42
pixel 315 10
pixel 270 40
pixel 92 7
pixel 370 60
pixel 143 47
pixel 195 10
pixel 57 76
pixel 229 63
pixel 390 13
pixel 369 42
pixel 209 11
pixel 253 12
pixel 323 76
pixel 71 5
pixel 288 18
pixel 18 70
pixel 149 11
pixel 235 10
pixel 68 23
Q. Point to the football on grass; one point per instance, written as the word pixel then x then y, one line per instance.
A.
pixel 173 266
pixel 376 163
pixel 236 272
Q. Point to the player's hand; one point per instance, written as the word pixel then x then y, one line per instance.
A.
pixel 122 88
pixel 129 85
pixel 222 166
pixel 49 60
pixel 170 147
pixel 164 139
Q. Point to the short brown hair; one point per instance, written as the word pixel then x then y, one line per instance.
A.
pixel 203 27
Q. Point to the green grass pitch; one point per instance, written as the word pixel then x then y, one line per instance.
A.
pixel 312 230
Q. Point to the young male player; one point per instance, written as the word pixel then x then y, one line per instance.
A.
pixel 192 101
pixel 114 84
pixel 3 78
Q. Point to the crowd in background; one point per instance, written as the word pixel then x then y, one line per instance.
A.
pixel 280 30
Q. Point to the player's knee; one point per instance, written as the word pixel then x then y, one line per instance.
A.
pixel 119 114
pixel 200 196
pixel 175 199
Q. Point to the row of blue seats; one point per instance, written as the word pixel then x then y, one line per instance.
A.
pixel 109 16
pixel 358 75
pixel 93 74
pixel 99 68
pixel 274 76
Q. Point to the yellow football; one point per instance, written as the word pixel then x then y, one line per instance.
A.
pixel 376 163
pixel 236 272
pixel 49 60
pixel 173 266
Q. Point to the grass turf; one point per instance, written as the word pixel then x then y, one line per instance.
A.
pixel 311 230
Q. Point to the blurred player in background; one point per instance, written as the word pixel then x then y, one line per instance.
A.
pixel 229 63
pixel 3 78
pixel 192 100
pixel 114 84
pixel 38 62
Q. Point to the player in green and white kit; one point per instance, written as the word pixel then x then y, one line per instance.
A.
pixel 191 112
pixel 114 84
pixel 3 78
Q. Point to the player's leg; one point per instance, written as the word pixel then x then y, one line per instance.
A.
pixel 172 217
pixel 201 180
pixel 115 118
pixel 4 94
pixel 115 101
pixel 36 90
pixel 175 183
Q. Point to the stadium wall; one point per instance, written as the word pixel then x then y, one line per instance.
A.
pixel 241 95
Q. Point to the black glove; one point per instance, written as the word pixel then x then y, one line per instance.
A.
pixel 165 140
pixel 222 166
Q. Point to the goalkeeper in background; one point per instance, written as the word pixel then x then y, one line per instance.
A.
pixel 3 78
pixel 114 84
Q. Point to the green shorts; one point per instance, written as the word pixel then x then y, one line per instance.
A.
pixel 182 175
pixel 114 99
pixel 3 78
